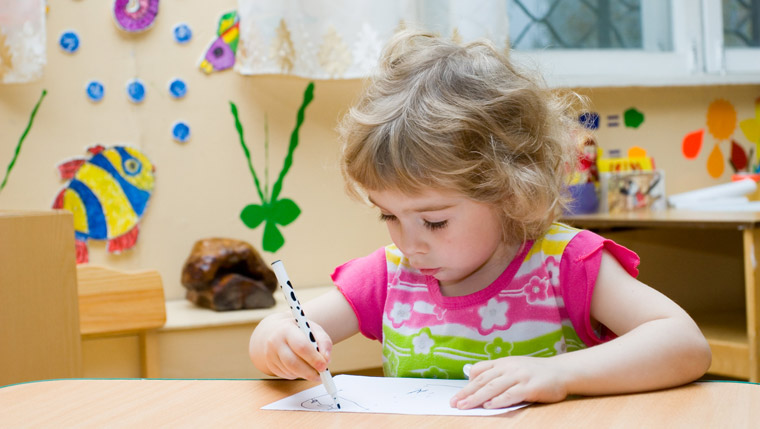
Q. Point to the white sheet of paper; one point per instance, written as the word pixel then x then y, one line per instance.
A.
pixel 387 395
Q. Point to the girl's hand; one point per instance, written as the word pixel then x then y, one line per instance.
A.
pixel 289 354
pixel 279 348
pixel 511 380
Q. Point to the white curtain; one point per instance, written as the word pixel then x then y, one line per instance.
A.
pixel 22 40
pixel 341 39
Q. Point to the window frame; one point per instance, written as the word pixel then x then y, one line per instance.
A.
pixel 698 55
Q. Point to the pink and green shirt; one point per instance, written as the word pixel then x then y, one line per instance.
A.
pixel 539 306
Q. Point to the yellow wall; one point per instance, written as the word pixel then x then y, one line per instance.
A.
pixel 202 185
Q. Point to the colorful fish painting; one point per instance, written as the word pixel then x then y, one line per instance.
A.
pixel 221 54
pixel 107 194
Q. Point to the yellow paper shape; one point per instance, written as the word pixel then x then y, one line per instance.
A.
pixel 721 119
pixel 751 129
pixel 715 162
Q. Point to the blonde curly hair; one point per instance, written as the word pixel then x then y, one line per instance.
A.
pixel 461 117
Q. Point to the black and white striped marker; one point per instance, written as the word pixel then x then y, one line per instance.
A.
pixel 303 324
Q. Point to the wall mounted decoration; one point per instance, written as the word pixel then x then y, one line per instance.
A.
pixel 589 120
pixel 135 16
pixel 177 88
pixel 21 140
pixel 182 33
pixel 273 210
pixel 181 132
pixel 751 129
pixel 721 124
pixel 136 91
pixel 342 39
pixel 95 91
pixel 220 55
pixel 22 40
pixel 108 194
pixel 633 118
pixel 69 41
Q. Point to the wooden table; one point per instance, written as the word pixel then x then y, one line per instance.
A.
pixel 150 403
pixel 708 263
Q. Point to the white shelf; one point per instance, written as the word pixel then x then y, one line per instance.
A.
pixel 181 314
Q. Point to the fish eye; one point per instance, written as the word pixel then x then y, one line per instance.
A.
pixel 131 166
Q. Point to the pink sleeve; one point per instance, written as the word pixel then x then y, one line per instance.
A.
pixel 579 268
pixel 364 282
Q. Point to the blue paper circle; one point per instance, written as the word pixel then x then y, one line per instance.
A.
pixel 589 120
pixel 177 88
pixel 95 91
pixel 136 91
pixel 181 132
pixel 182 33
pixel 69 42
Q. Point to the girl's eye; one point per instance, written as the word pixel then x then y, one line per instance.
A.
pixel 387 218
pixel 436 225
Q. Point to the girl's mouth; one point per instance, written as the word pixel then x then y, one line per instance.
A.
pixel 429 271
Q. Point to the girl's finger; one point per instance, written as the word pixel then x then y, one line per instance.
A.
pixel 476 382
pixel 488 385
pixel 513 395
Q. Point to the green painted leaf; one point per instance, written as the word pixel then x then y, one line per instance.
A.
pixel 253 214
pixel 284 211
pixel 308 96
pixel 239 128
pixel 21 140
pixel 273 239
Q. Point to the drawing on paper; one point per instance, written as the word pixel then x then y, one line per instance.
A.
pixel 391 395
pixel 326 403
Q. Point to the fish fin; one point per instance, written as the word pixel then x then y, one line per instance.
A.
pixel 124 241
pixel 83 255
pixel 68 169
pixel 96 149
pixel 58 203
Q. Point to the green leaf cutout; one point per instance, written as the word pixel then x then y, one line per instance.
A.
pixel 252 215
pixel 272 211
pixel 285 211
pixel 273 239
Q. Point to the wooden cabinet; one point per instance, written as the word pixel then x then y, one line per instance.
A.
pixel 708 263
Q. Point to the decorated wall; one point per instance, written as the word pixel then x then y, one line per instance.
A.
pixel 171 117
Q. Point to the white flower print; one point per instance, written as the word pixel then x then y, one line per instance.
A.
pixel 423 307
pixel 494 313
pixel 422 343
pixel 401 313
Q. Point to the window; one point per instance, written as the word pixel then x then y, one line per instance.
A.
pixel 637 42
pixel 739 48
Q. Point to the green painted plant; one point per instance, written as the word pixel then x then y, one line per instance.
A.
pixel 273 210
pixel 21 140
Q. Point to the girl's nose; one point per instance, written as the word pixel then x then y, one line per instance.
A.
pixel 412 243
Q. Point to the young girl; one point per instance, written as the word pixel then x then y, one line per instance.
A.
pixel 466 159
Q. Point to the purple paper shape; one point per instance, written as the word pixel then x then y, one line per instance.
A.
pixel 583 199
pixel 138 20
pixel 220 55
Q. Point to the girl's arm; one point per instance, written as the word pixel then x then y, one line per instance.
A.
pixel 279 348
pixel 658 346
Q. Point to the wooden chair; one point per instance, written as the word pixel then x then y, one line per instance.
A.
pixel 39 327
pixel 117 303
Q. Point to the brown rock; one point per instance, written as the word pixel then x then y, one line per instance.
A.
pixel 225 274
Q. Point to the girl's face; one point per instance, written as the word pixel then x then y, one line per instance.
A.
pixel 446 235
